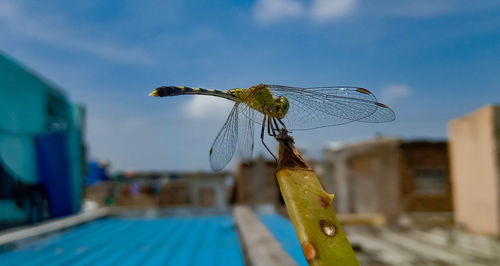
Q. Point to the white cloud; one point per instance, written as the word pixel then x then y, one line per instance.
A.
pixel 269 11
pixel 266 11
pixel 422 8
pixel 200 106
pixel 392 93
pixel 54 31
pixel 425 8
pixel 430 8
pixel 328 9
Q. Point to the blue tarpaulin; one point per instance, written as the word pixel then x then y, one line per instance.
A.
pixel 95 173
pixel 53 172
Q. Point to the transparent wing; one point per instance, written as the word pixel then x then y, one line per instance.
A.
pixel 252 114
pixel 382 114
pixel 328 106
pixel 224 145
pixel 246 131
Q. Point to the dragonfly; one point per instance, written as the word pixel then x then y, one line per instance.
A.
pixel 282 108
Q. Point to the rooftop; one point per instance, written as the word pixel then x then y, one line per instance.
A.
pixel 195 240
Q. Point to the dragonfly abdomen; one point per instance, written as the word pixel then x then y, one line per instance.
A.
pixel 174 91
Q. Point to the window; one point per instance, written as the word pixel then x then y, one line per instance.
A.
pixel 430 181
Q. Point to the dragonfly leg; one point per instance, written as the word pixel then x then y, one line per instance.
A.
pixel 283 124
pixel 262 131
pixel 270 129
pixel 262 139
pixel 277 128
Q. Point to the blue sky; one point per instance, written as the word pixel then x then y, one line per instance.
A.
pixel 431 61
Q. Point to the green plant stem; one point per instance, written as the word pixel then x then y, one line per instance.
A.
pixel 320 235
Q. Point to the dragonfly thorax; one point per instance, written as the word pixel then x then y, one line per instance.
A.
pixel 261 99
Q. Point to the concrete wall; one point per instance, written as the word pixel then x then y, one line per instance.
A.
pixel 209 191
pixel 474 155
pixel 256 183
pixel 336 179
pixel 364 177
pixel 376 181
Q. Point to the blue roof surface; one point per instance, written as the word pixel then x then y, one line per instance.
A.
pixel 197 240
pixel 284 232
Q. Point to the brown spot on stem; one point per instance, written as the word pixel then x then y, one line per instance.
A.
pixel 327 227
pixel 324 201
pixel 308 250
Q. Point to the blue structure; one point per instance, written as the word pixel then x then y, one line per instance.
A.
pixel 95 173
pixel 196 240
pixel 41 154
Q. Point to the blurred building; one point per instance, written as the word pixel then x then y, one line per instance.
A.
pixel 475 161
pixel 388 176
pixel 41 148
pixel 164 189
pixel 256 183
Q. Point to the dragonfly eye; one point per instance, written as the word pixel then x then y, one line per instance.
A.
pixel 284 105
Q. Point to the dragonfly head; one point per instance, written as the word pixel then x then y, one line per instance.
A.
pixel 282 105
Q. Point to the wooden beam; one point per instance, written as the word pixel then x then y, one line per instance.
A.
pixel 259 245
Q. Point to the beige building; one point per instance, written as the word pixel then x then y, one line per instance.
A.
pixel 388 176
pixel 475 161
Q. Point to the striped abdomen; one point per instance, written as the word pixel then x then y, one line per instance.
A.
pixel 174 91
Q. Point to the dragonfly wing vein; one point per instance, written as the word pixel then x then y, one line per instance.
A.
pixel 328 106
pixel 224 145
pixel 246 132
